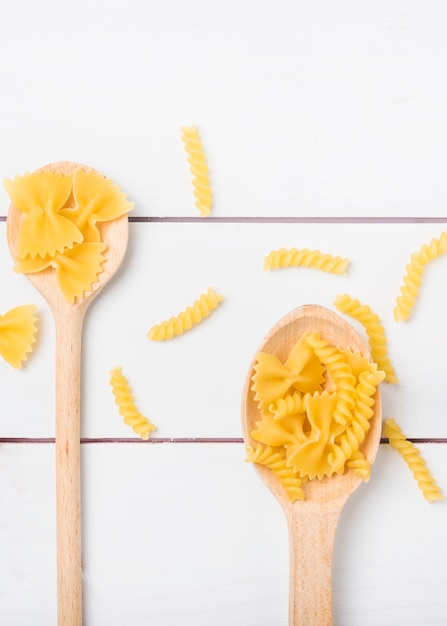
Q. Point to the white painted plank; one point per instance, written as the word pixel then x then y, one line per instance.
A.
pixel 191 386
pixel 188 534
pixel 317 109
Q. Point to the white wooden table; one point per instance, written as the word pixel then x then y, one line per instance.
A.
pixel 325 127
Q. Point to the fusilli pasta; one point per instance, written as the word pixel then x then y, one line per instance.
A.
pixel 413 459
pixel 199 169
pixel 276 463
pixel 341 373
pixel 123 398
pixel 305 258
pixel 413 277
pixel 374 330
pixel 289 405
pixel 186 319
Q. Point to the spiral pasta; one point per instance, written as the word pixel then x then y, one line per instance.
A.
pixel 415 462
pixel 305 258
pixel 346 445
pixel 289 405
pixel 374 330
pixel 276 463
pixel 199 169
pixel 123 398
pixel 17 334
pixel 186 319
pixel 341 373
pixel 413 277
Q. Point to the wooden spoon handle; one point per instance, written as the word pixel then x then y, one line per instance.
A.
pixel 312 529
pixel 68 468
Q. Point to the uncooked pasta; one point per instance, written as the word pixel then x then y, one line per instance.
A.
pixel 264 455
pixel 17 334
pixel 127 408
pixel 305 258
pixel 414 273
pixel 289 405
pixel 374 329
pixel 185 320
pixel 315 408
pixel 58 225
pixel 340 372
pixel 413 459
pixel 199 169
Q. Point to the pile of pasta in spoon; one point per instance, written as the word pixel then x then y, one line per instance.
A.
pixel 315 409
pixel 59 227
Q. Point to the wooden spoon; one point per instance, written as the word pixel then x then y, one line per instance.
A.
pixel 68 319
pixel 312 523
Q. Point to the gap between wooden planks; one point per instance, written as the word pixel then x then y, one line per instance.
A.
pixel 153 440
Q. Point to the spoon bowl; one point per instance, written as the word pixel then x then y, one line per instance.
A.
pixel 68 319
pixel 312 522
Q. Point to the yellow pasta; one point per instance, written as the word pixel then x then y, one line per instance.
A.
pixel 359 465
pixel 346 445
pixel 341 374
pixel 199 169
pixel 305 258
pixel 415 462
pixel 123 398
pixel 17 334
pixel 58 231
pixel 40 197
pixel 185 320
pixel 315 408
pixel 276 463
pixel 96 199
pixel 413 277
pixel 289 405
pixel 302 371
pixel 374 330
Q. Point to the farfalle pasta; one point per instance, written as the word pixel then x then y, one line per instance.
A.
pixel 374 329
pixel 199 169
pixel 18 334
pixel 315 408
pixel 414 273
pixel 58 228
pixel 127 408
pixel 413 459
pixel 185 320
pixel 316 259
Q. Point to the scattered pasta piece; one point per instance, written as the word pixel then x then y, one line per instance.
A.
pixel 199 169
pixel 17 334
pixel 305 258
pixel 415 462
pixel 186 319
pixel 413 277
pixel 58 231
pixel 315 410
pixel 374 330
pixel 123 398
